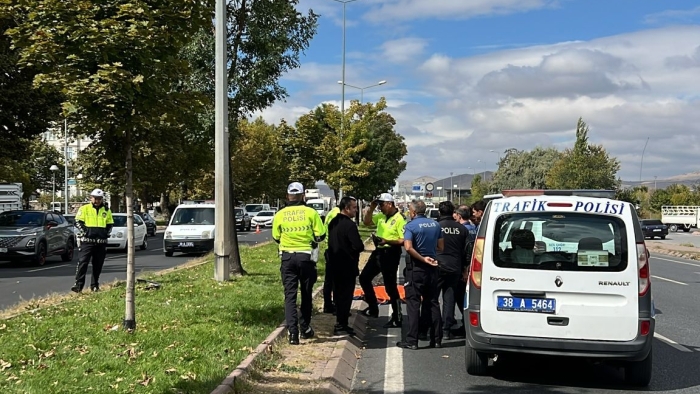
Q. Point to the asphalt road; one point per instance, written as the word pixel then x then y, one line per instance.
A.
pixel 384 368
pixel 21 281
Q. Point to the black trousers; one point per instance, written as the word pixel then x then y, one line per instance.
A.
pixel 88 252
pixel 298 273
pixel 385 261
pixel 343 291
pixel 423 289
pixel 449 284
pixel 328 284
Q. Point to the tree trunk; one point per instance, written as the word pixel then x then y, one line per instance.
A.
pixel 130 313
pixel 164 201
pixel 144 199
pixel 235 264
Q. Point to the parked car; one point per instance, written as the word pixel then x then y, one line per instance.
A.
pixel 432 213
pixel 653 228
pixel 151 227
pixel 35 235
pixel 243 221
pixel 263 219
pixel 118 238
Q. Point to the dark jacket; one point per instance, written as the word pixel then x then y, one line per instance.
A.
pixel 455 236
pixel 344 246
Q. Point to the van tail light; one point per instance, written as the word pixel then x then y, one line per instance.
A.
pixel 643 266
pixel 644 327
pixel 477 262
pixel 474 319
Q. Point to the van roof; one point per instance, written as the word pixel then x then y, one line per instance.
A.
pixel 196 206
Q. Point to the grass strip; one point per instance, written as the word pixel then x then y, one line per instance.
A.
pixel 190 334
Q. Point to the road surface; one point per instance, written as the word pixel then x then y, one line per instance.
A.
pixel 21 281
pixel 384 368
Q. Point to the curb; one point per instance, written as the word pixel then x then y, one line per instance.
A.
pixel 676 253
pixel 227 386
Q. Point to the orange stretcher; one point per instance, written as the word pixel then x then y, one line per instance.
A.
pixel 382 296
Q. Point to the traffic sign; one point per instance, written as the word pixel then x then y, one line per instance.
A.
pixel 429 187
pixel 72 182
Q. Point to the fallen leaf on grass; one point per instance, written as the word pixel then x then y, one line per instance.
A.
pixel 171 370
pixel 4 326
pixel 4 365
pixel 445 356
pixel 146 380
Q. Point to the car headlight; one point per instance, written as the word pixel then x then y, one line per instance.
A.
pixel 206 234
pixel 168 235
pixel 31 242
pixel 120 234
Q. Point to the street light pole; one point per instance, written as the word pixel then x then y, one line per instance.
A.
pixel 342 100
pixel 362 90
pixel 641 164
pixel 452 190
pixel 65 180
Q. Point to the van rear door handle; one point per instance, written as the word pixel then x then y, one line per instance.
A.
pixel 528 294
pixel 558 321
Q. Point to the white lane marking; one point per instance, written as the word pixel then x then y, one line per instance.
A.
pixel 393 364
pixel 675 261
pixel 672 343
pixel 49 268
pixel 670 280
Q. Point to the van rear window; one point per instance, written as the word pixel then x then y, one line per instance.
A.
pixel 560 241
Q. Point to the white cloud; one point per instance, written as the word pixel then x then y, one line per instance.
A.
pixel 453 111
pixel 402 10
pixel 403 49
pixel 673 16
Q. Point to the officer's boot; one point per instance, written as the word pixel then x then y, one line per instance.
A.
pixel 396 316
pixel 77 287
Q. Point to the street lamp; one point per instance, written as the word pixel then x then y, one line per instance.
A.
pixel 452 190
pixel 53 169
pixel 641 164
pixel 342 100
pixel 362 90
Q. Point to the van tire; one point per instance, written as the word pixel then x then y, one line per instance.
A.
pixel 168 254
pixel 476 363
pixel 638 373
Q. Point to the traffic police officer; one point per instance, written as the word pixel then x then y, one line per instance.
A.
pixel 94 222
pixel 328 301
pixel 423 239
pixel 386 257
pixel 297 229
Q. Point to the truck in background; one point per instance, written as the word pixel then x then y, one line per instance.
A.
pixel 11 197
pixel 681 217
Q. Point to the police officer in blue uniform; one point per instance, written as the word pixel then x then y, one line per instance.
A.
pixel 422 241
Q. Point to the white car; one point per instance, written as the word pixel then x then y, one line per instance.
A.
pixel 118 238
pixel 561 273
pixel 263 219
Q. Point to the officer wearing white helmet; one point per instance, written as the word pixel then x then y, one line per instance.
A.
pixel 94 221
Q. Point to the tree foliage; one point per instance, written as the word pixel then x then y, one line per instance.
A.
pixel 525 169
pixel 479 188
pixel 585 166
pixel 25 111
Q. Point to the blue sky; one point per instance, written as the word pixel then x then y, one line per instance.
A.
pixel 468 77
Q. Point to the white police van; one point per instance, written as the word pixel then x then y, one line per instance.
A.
pixel 561 273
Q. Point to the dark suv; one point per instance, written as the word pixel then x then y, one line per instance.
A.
pixel 35 235
pixel 653 228
pixel 242 220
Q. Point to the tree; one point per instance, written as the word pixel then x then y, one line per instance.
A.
pixel 585 166
pixel 525 169
pixel 38 167
pixel 307 144
pixel 116 64
pixel 25 111
pixel 479 188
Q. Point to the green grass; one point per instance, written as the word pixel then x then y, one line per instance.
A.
pixel 161 222
pixel 190 334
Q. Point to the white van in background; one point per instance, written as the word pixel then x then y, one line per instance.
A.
pixel 191 229
pixel 319 205
pixel 254 209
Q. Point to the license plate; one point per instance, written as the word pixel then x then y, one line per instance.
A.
pixel 537 305
pixel 657 229
pixel 3 250
pixel 186 244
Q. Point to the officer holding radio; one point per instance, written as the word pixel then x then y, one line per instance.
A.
pixel 386 257
pixel 423 240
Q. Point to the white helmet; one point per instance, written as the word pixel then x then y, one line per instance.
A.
pixel 97 193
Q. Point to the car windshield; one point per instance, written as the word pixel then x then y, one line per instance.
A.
pixel 434 214
pixel 266 213
pixel 119 221
pixel 70 218
pixel 194 216
pixel 253 207
pixel 560 241
pixel 316 205
pixel 239 212
pixel 651 222
pixel 21 219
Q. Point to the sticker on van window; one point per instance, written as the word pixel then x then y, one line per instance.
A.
pixel 534 205
pixel 592 258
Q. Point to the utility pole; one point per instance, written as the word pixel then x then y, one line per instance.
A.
pixel 223 230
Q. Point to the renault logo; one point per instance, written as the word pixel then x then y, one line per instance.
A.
pixel 558 281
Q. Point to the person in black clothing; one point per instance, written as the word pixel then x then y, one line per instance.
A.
pixel 453 264
pixel 344 248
